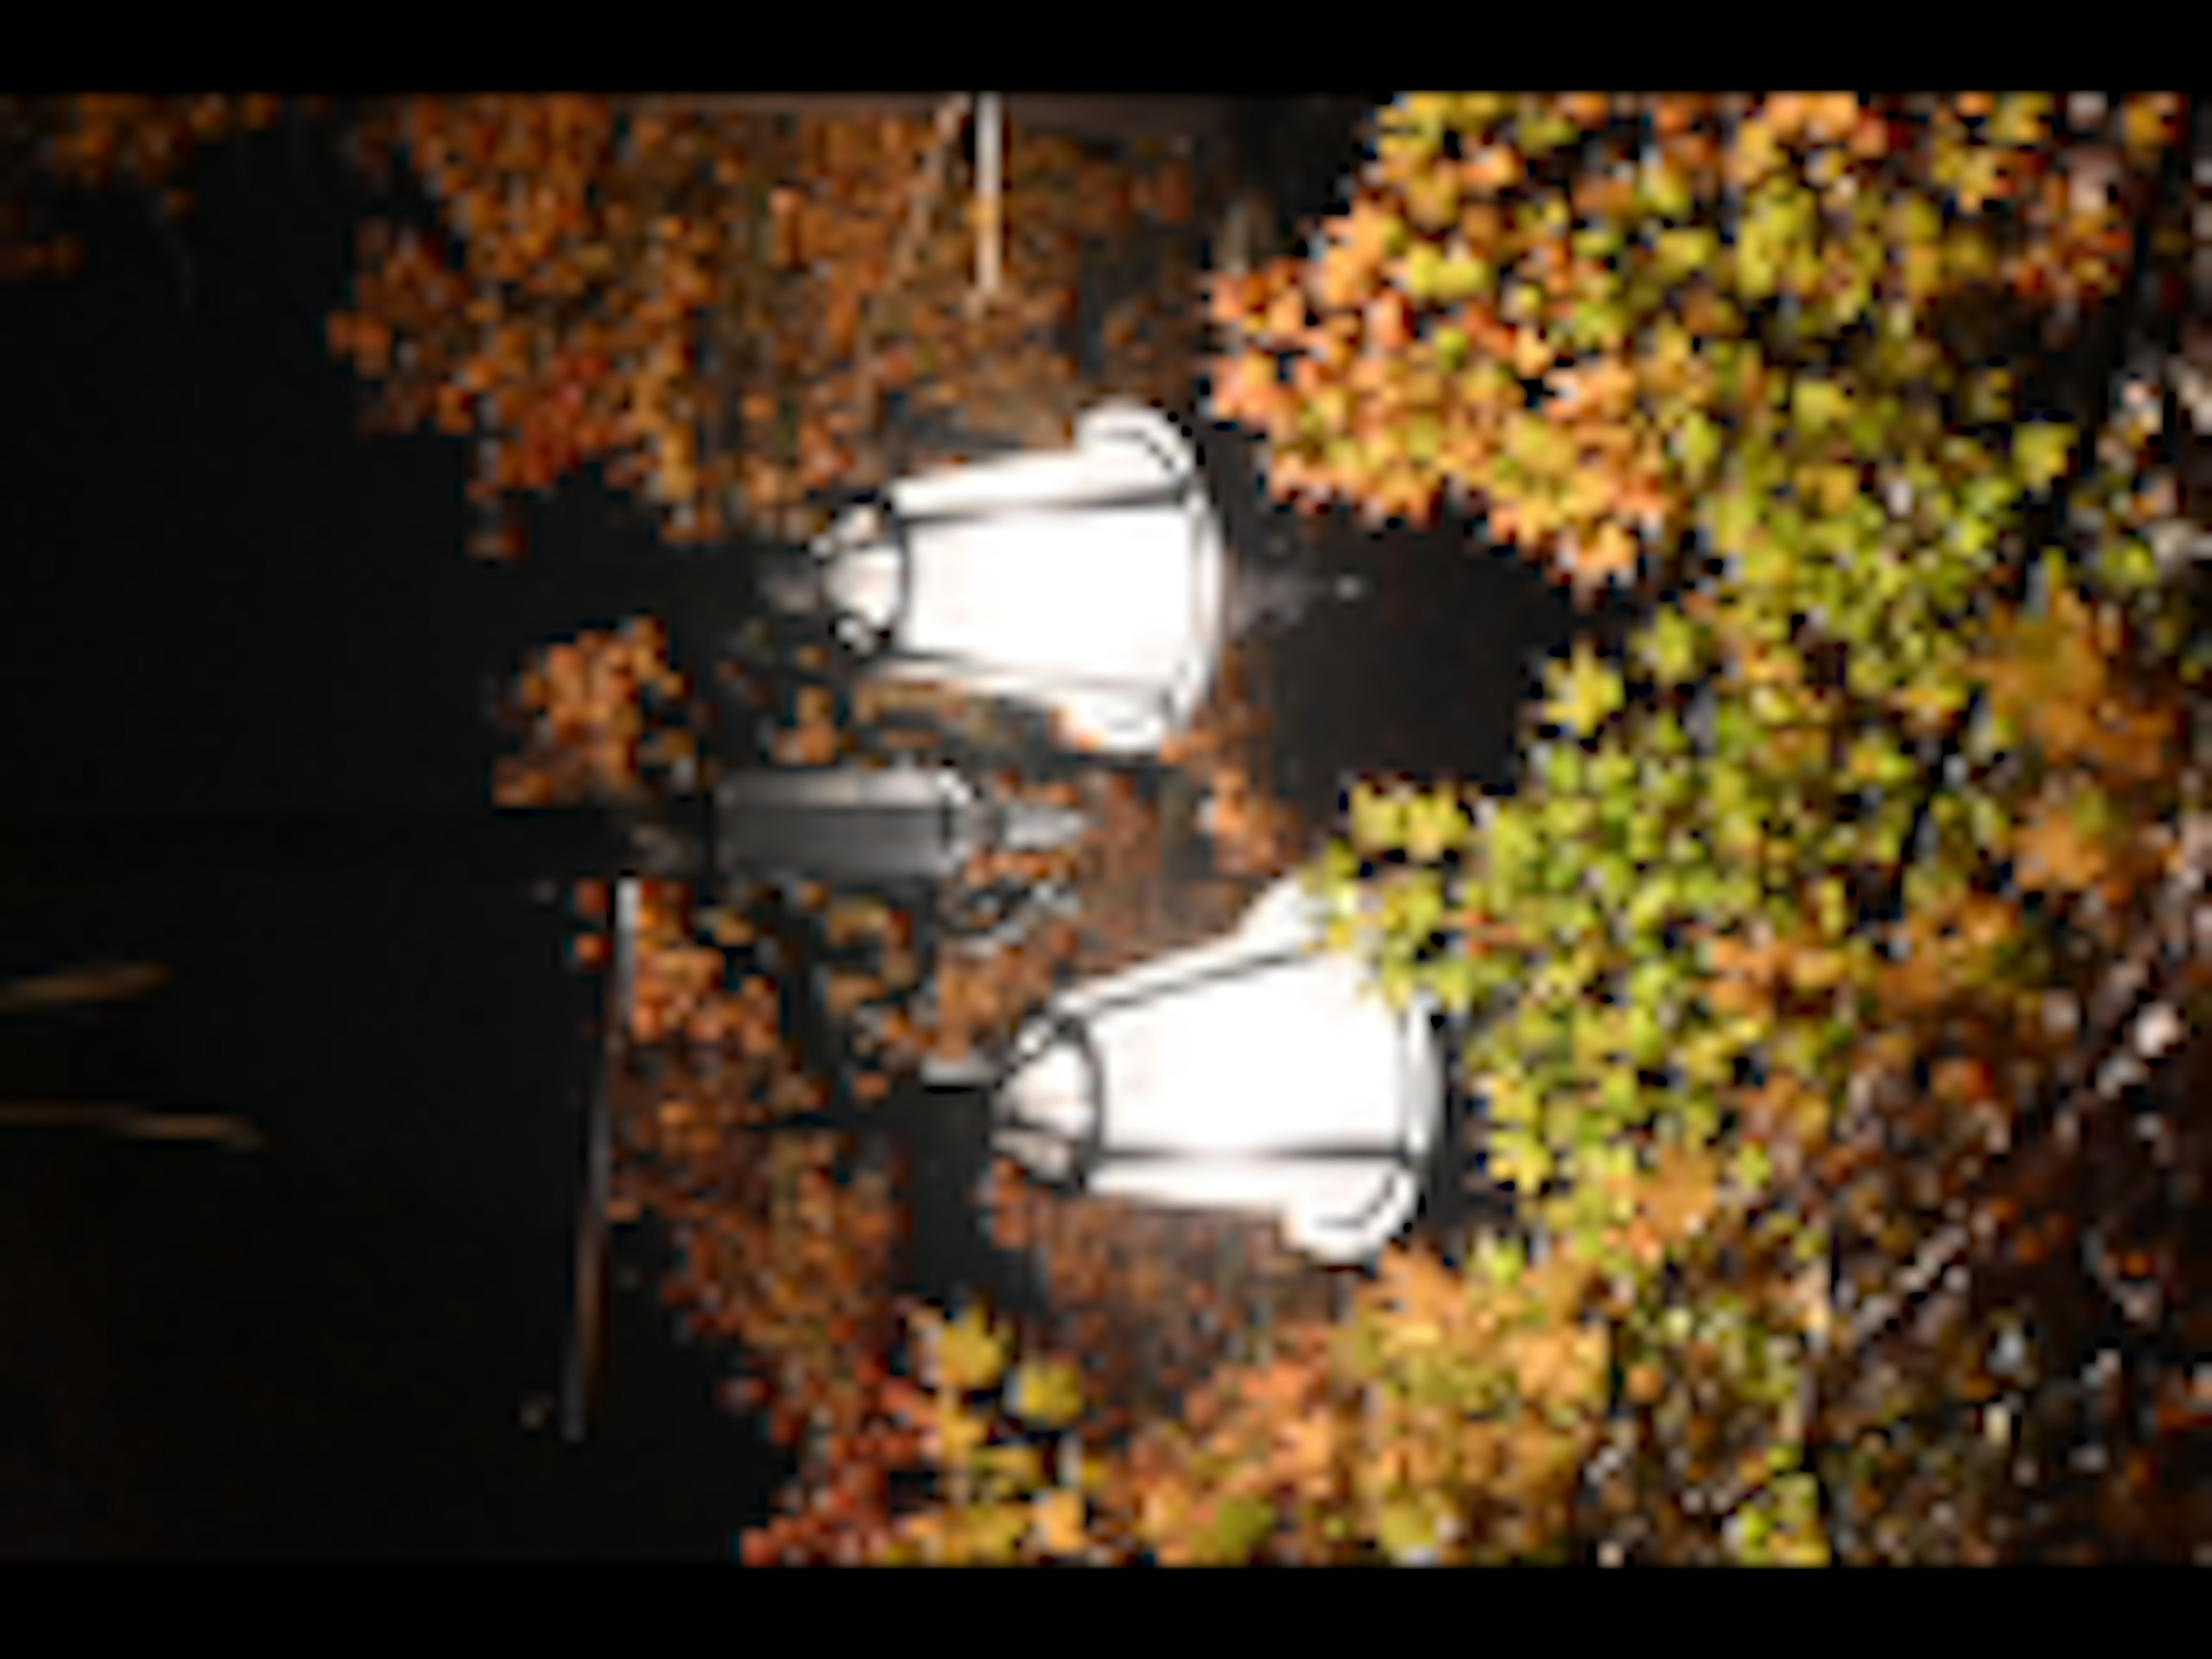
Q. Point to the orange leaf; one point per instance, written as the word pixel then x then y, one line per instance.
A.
pixel 2056 853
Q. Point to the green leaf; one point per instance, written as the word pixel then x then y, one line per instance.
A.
pixel 1665 190
pixel 2040 454
pixel 1612 773
pixel 1436 823
pixel 1650 904
pixel 1520 1160
pixel 1454 984
pixel 1684 253
pixel 1514 846
pixel 2128 567
pixel 1543 131
pixel 1917 220
pixel 1497 1261
pixel 1397 983
pixel 1423 262
pixel 1833 908
pixel 1698 444
pixel 1732 519
pixel 1671 648
pixel 1599 241
pixel 1404 1530
pixel 1647 1043
pixel 1586 694
pixel 1241 1527
pixel 1378 819
pixel 1820 405
pixel 1751 1168
pixel 1618 1092
pixel 1563 773
pixel 1463 276
pixel 1512 1101
pixel 1597 325
pixel 1421 900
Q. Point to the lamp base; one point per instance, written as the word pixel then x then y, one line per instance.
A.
pixel 792 581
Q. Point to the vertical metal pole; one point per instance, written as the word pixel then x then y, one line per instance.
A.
pixel 988 128
pixel 587 1341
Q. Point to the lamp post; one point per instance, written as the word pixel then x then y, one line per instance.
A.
pixel 903 829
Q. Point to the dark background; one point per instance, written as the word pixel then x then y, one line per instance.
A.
pixel 247 656
pixel 248 660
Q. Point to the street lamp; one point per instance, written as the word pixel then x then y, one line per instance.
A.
pixel 1256 1072
pixel 1092 583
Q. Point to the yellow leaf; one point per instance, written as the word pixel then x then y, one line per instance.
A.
pixel 1057 1522
pixel 2041 453
pixel 1379 818
pixel 1435 824
pixel 1833 487
pixel 991 1533
pixel 970 1354
pixel 1532 354
pixel 1048 1394
pixel 959 1434
pixel 1406 1529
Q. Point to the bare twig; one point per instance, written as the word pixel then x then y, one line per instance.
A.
pixel 131 1121
pixel 949 118
pixel 105 981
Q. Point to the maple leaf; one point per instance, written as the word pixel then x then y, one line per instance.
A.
pixel 1526 520
pixel 970 1354
pixel 1590 493
pixel 1049 1395
pixel 1531 353
pixel 1604 389
pixel 2041 453
pixel 956 1435
pixel 1058 1522
pixel 1306 1452
pixel 1279 1388
pixel 1435 826
pixel 1586 692
pixel 1424 1295
pixel 1558 1365
pixel 1747 974
pixel 1606 556
pixel 2057 851
pixel 1380 818
pixel 1681 1193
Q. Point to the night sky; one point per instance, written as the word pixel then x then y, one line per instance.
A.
pixel 233 623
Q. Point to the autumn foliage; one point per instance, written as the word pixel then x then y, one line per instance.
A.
pixel 94 141
pixel 1766 1032
pixel 601 716
pixel 715 310
pixel 1835 977
pixel 1538 308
